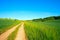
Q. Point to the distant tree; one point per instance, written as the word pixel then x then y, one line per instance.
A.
pixel 49 18
pixel 57 17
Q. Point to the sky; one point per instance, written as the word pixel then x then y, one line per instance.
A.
pixel 29 9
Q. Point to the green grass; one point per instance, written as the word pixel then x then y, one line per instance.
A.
pixel 13 34
pixel 49 30
pixel 6 24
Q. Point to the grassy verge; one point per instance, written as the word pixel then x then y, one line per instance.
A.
pixel 6 24
pixel 43 30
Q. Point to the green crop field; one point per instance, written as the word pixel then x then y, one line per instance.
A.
pixel 6 24
pixel 48 30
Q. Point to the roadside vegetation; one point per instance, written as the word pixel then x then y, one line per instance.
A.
pixel 48 29
pixel 6 24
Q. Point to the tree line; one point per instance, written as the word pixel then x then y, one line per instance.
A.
pixel 47 18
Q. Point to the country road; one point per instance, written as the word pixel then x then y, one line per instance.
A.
pixel 21 33
pixel 5 35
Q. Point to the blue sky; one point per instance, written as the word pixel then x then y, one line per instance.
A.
pixel 29 9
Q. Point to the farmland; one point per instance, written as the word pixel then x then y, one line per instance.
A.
pixel 48 30
pixel 36 29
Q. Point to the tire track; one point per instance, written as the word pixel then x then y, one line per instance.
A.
pixel 5 35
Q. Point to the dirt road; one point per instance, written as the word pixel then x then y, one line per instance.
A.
pixel 21 33
pixel 5 35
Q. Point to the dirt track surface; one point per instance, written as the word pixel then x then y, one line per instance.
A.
pixel 21 33
pixel 5 35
